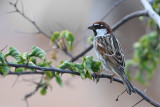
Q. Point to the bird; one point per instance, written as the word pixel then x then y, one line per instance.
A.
pixel 109 52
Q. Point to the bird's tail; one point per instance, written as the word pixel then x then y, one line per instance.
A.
pixel 128 85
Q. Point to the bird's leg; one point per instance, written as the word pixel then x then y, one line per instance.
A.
pixel 112 77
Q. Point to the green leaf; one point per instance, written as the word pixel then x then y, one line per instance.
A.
pixel 79 67
pixel 25 56
pixel 59 80
pixel 49 74
pixel 88 74
pixel 44 90
pixel 19 69
pixel 65 65
pixel 38 52
pixel 87 62
pixel 2 59
pixel 140 77
pixel 96 66
pixel 45 64
pixel 14 53
pixel 55 36
pixel 33 59
pixel 69 38
pixel 5 70
pixel 31 63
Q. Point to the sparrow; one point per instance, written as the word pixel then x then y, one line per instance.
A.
pixel 109 52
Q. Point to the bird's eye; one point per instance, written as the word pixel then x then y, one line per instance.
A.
pixel 97 26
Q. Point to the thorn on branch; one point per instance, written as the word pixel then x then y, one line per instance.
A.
pixel 120 94
pixel 140 100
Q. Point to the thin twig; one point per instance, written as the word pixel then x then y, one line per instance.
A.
pixel 53 70
pixel 39 85
pixel 34 24
pixel 15 81
pixel 3 48
pixel 138 102
pixel 28 19
pixel 82 53
pixel 110 10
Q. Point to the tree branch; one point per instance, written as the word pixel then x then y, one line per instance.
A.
pixel 115 27
pixel 34 24
pixel 128 17
pixel 53 70
pixel 151 12
pixel 82 53
pixel 28 19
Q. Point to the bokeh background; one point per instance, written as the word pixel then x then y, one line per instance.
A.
pixel 75 16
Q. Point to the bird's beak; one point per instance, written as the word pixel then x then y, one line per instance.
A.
pixel 92 27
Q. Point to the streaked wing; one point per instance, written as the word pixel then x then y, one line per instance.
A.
pixel 110 49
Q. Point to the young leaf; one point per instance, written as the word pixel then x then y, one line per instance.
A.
pixel 96 66
pixel 66 64
pixel 44 90
pixel 69 38
pixel 19 69
pixel 14 53
pixel 25 56
pixel 55 36
pixel 44 64
pixel 5 70
pixel 38 52
pixel 87 62
pixel 2 59
pixel 88 74
pixel 59 80
pixel 33 59
pixel 80 68
pixel 49 74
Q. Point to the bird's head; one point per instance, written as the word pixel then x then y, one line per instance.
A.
pixel 100 28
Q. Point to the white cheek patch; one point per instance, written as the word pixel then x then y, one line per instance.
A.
pixel 101 32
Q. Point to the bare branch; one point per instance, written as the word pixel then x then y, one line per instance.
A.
pixel 43 69
pixel 109 11
pixel 15 81
pixel 128 17
pixel 39 85
pixel 151 12
pixel 82 53
pixel 34 24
